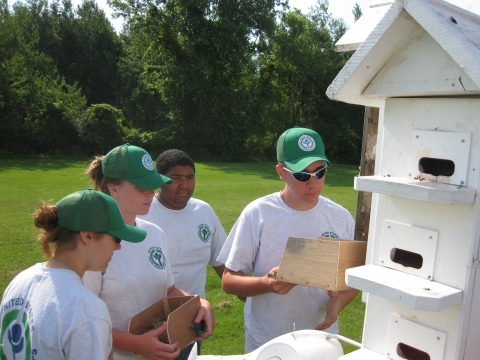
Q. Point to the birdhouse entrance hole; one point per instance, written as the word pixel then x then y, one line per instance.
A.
pixel 406 338
pixel 409 249
pixel 429 152
pixel 406 258
pixel 436 167
pixel 410 353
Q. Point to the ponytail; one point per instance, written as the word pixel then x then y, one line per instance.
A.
pixel 95 174
pixel 52 236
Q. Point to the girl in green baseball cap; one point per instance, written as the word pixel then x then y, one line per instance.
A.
pixel 139 275
pixel 46 311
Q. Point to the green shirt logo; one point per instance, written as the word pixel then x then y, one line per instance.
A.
pixel 204 232
pixel 15 336
pixel 157 258
pixel 330 235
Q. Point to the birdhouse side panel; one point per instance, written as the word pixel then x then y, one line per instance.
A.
pixel 377 322
pixel 472 330
pixel 454 225
pixel 450 116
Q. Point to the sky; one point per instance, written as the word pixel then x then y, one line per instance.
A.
pixel 338 8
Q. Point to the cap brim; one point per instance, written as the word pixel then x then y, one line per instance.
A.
pixel 152 181
pixel 302 163
pixel 130 234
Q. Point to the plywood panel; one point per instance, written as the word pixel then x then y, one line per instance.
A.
pixel 180 312
pixel 320 262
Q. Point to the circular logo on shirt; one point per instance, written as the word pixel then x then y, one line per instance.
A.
pixel 306 143
pixel 15 334
pixel 157 258
pixel 204 232
pixel 330 235
pixel 147 162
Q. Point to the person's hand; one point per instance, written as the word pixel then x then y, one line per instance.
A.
pixel 338 300
pixel 153 349
pixel 333 309
pixel 278 287
pixel 205 315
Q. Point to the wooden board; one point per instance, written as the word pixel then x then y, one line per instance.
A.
pixel 180 311
pixel 180 321
pixel 320 263
pixel 367 167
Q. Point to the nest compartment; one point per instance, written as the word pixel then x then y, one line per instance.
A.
pixel 155 323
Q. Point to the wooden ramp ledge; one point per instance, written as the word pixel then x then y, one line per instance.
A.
pixel 415 189
pixel 409 290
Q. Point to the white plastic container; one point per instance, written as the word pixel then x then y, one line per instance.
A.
pixel 297 345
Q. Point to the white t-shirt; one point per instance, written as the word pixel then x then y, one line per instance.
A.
pixel 49 314
pixel 195 237
pixel 138 275
pixel 256 244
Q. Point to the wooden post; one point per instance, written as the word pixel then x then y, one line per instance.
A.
pixel 367 167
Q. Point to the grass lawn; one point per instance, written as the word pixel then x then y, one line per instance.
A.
pixel 227 187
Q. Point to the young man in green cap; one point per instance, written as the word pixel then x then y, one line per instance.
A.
pixel 257 241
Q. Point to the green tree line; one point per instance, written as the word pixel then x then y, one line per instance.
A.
pixel 221 79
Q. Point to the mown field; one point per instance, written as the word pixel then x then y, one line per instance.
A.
pixel 227 187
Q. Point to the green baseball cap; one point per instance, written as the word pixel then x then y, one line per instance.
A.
pixel 135 165
pixel 90 210
pixel 299 147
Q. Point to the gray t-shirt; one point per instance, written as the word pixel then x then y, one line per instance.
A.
pixel 195 237
pixel 138 275
pixel 256 244
pixel 49 314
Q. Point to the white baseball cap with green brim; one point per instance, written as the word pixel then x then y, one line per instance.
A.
pixel 135 165
pixel 90 210
pixel 299 147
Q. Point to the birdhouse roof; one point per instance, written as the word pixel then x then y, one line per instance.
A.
pixel 411 48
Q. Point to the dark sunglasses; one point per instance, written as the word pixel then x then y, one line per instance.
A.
pixel 305 176
pixel 117 240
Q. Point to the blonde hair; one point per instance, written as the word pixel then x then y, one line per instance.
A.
pixel 52 236
pixel 95 174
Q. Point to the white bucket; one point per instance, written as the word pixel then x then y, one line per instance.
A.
pixel 299 345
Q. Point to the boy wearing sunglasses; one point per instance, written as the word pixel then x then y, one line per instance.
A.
pixel 257 242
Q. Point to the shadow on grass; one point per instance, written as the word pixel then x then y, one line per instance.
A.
pixel 39 164
pixel 338 175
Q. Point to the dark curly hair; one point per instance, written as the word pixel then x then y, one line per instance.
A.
pixel 173 157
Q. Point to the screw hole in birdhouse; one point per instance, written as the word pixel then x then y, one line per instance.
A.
pixel 410 353
pixel 406 258
pixel 436 167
